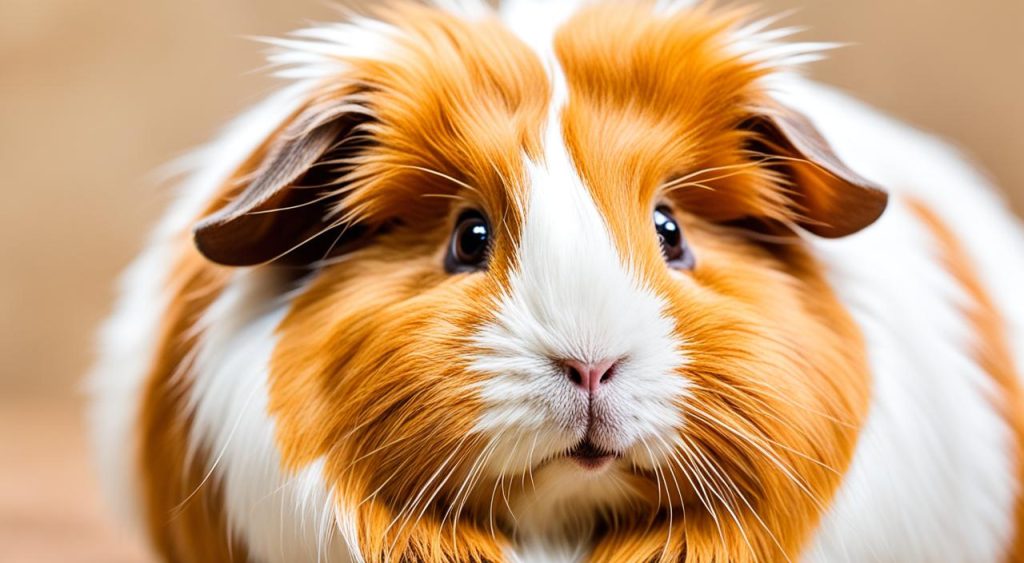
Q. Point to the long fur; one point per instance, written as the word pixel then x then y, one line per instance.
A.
pixel 791 397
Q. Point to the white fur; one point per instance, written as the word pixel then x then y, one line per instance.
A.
pixel 766 46
pixel 933 440
pixel 467 9
pixel 280 517
pixel 327 50
pixel 535 23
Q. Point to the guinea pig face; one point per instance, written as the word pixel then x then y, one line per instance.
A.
pixel 544 296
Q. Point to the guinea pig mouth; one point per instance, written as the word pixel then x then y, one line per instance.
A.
pixel 590 456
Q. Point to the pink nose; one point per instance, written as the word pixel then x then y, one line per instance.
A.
pixel 589 376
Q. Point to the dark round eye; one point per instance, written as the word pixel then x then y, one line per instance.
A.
pixel 470 244
pixel 673 246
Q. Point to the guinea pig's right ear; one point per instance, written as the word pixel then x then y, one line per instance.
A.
pixel 825 196
pixel 271 218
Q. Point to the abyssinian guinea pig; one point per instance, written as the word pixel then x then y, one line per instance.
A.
pixel 593 281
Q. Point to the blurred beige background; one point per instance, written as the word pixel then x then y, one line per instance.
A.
pixel 95 95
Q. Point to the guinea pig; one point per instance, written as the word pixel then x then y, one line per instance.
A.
pixel 583 281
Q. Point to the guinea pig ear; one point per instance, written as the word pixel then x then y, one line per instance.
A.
pixel 829 199
pixel 271 218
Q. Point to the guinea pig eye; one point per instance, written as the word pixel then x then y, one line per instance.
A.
pixel 673 246
pixel 470 244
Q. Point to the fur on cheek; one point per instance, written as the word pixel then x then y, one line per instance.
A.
pixel 779 390
pixel 368 375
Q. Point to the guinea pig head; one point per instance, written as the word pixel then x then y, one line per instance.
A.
pixel 540 304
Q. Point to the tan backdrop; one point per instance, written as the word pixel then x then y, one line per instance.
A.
pixel 96 94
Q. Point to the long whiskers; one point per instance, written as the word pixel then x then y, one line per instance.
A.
pixel 426 503
pixel 761 448
pixel 728 482
pixel 705 475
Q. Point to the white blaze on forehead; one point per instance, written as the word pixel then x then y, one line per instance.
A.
pixel 573 294
pixel 536 21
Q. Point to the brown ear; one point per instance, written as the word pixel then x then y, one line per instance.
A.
pixel 273 219
pixel 829 198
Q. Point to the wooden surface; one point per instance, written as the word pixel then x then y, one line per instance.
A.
pixel 50 508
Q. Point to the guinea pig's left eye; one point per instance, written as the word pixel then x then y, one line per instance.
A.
pixel 673 245
pixel 470 244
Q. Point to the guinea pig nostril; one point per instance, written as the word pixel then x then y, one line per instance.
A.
pixel 608 374
pixel 574 375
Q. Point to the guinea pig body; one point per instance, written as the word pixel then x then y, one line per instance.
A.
pixel 596 282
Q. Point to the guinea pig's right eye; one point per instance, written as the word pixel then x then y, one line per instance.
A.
pixel 673 246
pixel 470 244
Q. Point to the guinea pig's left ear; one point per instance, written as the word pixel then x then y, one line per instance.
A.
pixel 269 218
pixel 829 198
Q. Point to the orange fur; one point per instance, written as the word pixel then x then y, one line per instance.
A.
pixel 186 520
pixel 694 96
pixel 480 97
